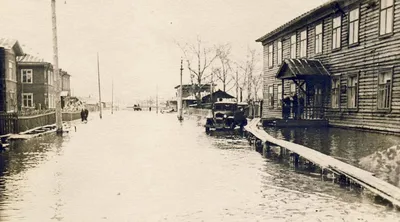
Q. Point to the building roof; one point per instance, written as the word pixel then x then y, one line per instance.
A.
pixel 11 44
pixel 186 86
pixel 30 59
pixel 189 98
pixel 333 4
pixel 301 68
pixel 219 94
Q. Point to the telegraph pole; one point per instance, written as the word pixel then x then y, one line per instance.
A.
pixel 98 77
pixel 157 100
pixel 180 104
pixel 56 69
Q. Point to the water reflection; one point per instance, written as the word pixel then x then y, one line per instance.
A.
pixel 347 145
pixel 163 170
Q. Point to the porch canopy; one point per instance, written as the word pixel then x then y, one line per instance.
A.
pixel 301 69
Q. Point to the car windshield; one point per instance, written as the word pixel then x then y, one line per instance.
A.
pixel 222 107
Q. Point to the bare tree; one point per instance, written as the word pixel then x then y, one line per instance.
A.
pixel 244 76
pixel 257 81
pixel 223 72
pixel 204 57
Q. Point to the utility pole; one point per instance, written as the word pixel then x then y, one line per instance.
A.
pixel 211 94
pixel 237 84
pixel 56 69
pixel 157 100
pixel 180 117
pixel 98 76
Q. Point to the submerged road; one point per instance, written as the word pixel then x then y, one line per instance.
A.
pixel 140 166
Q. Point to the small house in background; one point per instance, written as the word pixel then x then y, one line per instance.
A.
pixel 65 83
pixel 172 104
pixel 37 83
pixel 9 50
pixel 190 90
pixel 218 95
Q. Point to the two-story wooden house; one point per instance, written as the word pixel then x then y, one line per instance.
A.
pixel 9 50
pixel 37 83
pixel 341 60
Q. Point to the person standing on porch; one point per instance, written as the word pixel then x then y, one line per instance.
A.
pixel 295 106
pixel 286 107
pixel 301 107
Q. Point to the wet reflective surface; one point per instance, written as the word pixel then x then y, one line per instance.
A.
pixel 139 166
pixel 344 144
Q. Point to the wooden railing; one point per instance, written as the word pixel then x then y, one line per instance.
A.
pixel 303 112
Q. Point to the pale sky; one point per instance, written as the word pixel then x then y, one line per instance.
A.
pixel 136 39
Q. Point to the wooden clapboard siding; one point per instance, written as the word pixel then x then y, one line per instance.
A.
pixel 365 59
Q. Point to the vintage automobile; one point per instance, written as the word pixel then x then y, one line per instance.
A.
pixel 137 108
pixel 226 115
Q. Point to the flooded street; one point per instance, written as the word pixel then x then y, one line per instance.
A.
pixel 140 166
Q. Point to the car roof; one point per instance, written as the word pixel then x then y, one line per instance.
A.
pixel 225 102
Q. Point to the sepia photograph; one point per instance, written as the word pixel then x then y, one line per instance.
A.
pixel 199 110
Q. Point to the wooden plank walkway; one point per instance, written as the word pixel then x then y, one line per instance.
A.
pixel 362 177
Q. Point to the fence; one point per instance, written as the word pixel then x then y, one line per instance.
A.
pixel 13 123
pixel 8 123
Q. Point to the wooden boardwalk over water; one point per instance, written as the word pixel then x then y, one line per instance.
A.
pixel 363 178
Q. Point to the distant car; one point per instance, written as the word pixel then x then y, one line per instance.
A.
pixel 137 108
pixel 226 116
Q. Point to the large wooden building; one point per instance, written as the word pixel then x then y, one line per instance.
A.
pixel 342 59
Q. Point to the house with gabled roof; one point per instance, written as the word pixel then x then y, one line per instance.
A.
pixel 37 83
pixel 9 50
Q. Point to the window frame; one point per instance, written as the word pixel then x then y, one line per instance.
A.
pixel 305 45
pixel 338 78
pixel 22 76
pixel 279 95
pixel 279 52
pixel 293 44
pixel 271 96
pixel 270 55
pixel 386 34
pixel 340 36
pixel 389 108
pixel 31 99
pixel 358 28
pixel 320 39
pixel 11 68
pixel 357 87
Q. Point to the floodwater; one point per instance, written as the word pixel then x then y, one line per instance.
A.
pixel 140 166
pixel 350 146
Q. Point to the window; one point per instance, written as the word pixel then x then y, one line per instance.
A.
pixel 303 43
pixel 352 91
pixel 279 95
pixel 279 52
pixel 292 87
pixel 271 96
pixel 27 99
pixel 293 46
pixel 336 32
pixel 386 17
pixel 318 39
pixel 27 75
pixel 384 89
pixel 335 93
pixel 271 55
pixel 11 74
pixel 354 26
